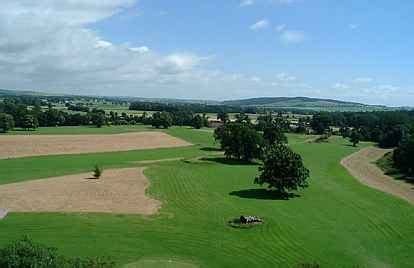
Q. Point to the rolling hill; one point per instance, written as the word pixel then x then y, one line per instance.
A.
pixel 305 103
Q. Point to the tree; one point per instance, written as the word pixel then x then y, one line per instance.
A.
pixel 98 118
pixel 320 123
pixel 239 141
pixel 161 119
pixel 355 137
pixel 198 121
pixel 223 116
pixel 404 155
pixel 97 172
pixel 282 169
pixel 242 118
pixel 30 122
pixel 6 122
pixel 274 134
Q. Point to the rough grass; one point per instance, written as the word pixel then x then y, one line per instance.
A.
pixel 336 222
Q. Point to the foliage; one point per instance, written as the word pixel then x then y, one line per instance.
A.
pixel 98 118
pixel 355 137
pixel 25 253
pixel 30 122
pixel 6 122
pixel 97 172
pixel 320 123
pixel 274 135
pixel 282 169
pixel 239 140
pixel 161 119
pixel 404 155
pixel 223 116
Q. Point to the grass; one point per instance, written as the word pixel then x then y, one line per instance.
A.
pixel 336 222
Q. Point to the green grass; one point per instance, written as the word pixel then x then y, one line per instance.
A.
pixel 336 222
pixel 79 130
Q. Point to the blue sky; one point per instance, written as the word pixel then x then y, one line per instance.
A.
pixel 350 50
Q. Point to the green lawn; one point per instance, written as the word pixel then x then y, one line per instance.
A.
pixel 336 222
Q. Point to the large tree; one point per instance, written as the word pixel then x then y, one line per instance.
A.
pixel 282 169
pixel 6 122
pixel 161 119
pixel 355 137
pixel 321 122
pixel 404 155
pixel 239 140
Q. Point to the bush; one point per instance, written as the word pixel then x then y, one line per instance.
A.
pixel 25 253
pixel 97 172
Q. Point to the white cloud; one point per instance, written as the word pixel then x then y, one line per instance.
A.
pixel 284 77
pixel 340 86
pixel 103 44
pixel 363 80
pixel 292 37
pixel 256 79
pixel 245 3
pixel 141 50
pixel 261 24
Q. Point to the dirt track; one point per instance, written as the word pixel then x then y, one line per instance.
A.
pixel 361 165
pixel 36 145
pixel 118 191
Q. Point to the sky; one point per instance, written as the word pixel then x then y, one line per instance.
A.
pixel 350 50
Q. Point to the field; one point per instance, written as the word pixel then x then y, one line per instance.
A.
pixel 336 222
pixel 24 146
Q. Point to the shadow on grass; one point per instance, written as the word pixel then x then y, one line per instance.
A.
pixel 263 194
pixel 210 149
pixel 229 161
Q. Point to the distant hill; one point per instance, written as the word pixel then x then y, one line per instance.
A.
pixel 278 103
pixel 305 103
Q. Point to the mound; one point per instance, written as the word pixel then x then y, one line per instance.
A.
pixel 118 191
pixel 36 145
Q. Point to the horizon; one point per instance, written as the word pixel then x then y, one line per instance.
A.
pixel 352 52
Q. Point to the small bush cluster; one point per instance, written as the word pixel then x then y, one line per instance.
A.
pixel 25 253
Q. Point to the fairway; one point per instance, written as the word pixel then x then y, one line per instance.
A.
pixel 336 222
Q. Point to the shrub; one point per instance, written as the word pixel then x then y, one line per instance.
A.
pixel 97 172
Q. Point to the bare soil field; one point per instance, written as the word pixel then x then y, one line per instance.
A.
pixel 120 191
pixel 37 145
pixel 362 166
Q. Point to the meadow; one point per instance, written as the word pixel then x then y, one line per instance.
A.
pixel 336 222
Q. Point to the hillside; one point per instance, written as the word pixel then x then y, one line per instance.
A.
pixel 305 103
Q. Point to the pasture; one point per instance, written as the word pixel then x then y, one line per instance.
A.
pixel 336 222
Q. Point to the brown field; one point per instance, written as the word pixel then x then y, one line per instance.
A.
pixel 362 166
pixel 36 145
pixel 118 191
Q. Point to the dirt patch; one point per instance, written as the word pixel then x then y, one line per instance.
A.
pixel 362 166
pixel 36 145
pixel 120 191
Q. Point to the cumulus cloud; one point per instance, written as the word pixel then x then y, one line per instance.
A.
pixel 284 77
pixel 261 24
pixel 363 80
pixel 48 45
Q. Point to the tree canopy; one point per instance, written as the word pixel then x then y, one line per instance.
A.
pixel 239 140
pixel 282 169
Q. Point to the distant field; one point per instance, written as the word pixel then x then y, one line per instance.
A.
pixel 336 222
pixel 81 130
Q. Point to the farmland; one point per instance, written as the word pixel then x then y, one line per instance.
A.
pixel 336 222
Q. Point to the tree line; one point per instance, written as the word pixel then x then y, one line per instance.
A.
pixel 391 129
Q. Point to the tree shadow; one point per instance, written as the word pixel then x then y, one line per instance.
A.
pixel 229 161
pixel 263 194
pixel 210 149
